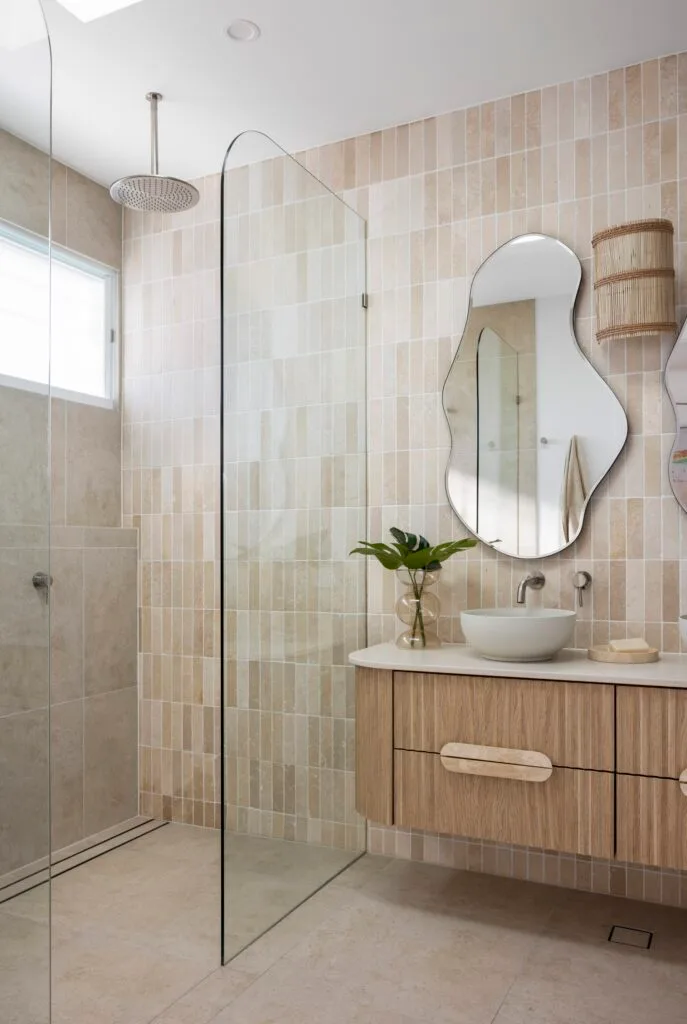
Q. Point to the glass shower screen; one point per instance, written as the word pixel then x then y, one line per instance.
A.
pixel 25 712
pixel 294 504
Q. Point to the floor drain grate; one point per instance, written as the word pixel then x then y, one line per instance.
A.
pixel 636 937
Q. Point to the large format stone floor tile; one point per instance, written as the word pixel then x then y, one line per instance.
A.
pixel 292 930
pixel 24 970
pixel 285 996
pixel 202 1004
pixel 465 894
pixel 414 961
pixel 103 980
pixel 575 974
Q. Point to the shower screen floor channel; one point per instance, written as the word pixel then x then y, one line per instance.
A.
pixel 31 875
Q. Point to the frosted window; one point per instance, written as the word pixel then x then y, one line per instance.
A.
pixel 77 357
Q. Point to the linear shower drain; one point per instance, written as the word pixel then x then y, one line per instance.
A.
pixel 631 937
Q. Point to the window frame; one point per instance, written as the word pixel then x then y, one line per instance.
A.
pixel 32 242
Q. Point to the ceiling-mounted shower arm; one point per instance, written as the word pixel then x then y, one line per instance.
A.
pixel 154 193
pixel 154 98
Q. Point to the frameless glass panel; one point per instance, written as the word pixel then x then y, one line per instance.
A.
pixel 25 85
pixel 294 504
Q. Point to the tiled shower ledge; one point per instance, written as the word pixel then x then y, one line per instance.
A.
pixel 568 666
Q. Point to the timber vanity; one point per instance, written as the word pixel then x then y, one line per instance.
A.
pixel 566 755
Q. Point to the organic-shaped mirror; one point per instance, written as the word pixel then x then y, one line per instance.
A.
pixel 676 385
pixel 534 428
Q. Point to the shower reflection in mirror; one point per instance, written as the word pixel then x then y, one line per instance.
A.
pixel 534 427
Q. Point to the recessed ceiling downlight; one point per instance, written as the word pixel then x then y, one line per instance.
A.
pixel 242 31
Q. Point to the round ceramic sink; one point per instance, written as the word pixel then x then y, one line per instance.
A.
pixel 518 634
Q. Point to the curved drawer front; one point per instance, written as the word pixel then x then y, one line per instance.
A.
pixel 652 821
pixel 571 723
pixel 570 811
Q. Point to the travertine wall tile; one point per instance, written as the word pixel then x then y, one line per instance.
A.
pixel 439 196
pixel 294 448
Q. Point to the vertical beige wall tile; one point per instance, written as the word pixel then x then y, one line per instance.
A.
pixel 633 94
pixel 616 100
pixel 446 191
pixel 517 122
pixel 668 86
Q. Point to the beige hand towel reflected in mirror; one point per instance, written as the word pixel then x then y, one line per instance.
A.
pixel 574 492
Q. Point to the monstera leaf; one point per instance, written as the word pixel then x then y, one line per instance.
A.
pixel 412 551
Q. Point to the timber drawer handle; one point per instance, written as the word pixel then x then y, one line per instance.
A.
pixel 683 782
pixel 499 762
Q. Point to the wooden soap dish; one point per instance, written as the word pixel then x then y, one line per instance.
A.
pixel 602 652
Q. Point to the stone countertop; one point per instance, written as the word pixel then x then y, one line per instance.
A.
pixel 568 666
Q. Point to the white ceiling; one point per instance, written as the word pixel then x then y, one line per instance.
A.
pixel 322 70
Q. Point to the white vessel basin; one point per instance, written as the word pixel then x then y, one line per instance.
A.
pixel 518 634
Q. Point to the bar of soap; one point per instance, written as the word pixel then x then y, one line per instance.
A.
pixel 624 646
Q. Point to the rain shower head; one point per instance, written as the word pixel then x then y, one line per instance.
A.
pixel 154 192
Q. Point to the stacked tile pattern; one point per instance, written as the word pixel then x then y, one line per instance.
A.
pixel 170 491
pixel 295 461
pixel 440 195
pixel 295 467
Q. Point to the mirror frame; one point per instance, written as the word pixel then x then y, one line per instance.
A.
pixel 582 356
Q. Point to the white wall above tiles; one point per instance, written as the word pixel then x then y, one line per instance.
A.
pixel 320 71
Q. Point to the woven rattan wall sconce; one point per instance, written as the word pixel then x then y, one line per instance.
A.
pixel 634 279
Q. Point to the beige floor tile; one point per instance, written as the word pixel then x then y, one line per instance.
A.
pixel 294 929
pixel 170 913
pixel 589 917
pixel 466 893
pixel 202 1004
pixel 284 997
pixel 574 974
pixel 151 909
pixel 591 999
pixel 424 962
pixel 104 980
pixel 24 970
pixel 362 871
pixel 266 879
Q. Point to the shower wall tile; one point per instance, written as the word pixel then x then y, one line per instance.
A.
pixel 83 505
pixel 110 619
pixel 66 625
pixel 24 184
pixel 110 759
pixel 83 216
pixel 24 786
pixel 23 457
pixel 93 220
pixel 93 453
pixel 67 773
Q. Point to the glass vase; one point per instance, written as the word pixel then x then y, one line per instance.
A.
pixel 418 608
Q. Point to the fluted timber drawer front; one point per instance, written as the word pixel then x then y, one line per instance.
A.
pixel 652 731
pixel 652 821
pixel 572 811
pixel 572 723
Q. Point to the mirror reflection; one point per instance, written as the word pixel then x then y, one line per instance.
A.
pixel 534 428
pixel 676 384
